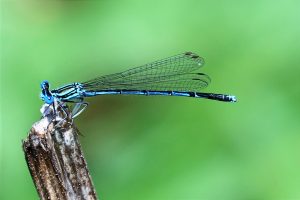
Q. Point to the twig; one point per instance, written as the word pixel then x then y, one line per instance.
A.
pixel 55 159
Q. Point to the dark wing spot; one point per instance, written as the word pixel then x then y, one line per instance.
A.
pixel 188 53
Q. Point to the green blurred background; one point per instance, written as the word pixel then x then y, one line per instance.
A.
pixel 159 147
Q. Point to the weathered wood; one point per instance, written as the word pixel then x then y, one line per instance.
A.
pixel 55 159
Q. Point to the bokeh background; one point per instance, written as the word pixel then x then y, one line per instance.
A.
pixel 161 147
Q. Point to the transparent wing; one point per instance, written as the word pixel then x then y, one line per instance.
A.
pixel 179 82
pixel 173 73
pixel 182 63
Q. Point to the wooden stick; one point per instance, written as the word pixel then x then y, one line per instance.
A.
pixel 55 159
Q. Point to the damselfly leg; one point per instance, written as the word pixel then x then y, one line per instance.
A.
pixel 79 107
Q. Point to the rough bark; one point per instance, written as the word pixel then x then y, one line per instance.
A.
pixel 55 159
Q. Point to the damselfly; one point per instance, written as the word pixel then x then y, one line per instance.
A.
pixel 173 76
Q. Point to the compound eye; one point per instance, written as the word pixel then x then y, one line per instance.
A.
pixel 45 85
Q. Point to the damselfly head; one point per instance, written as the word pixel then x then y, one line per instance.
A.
pixel 45 85
pixel 46 95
